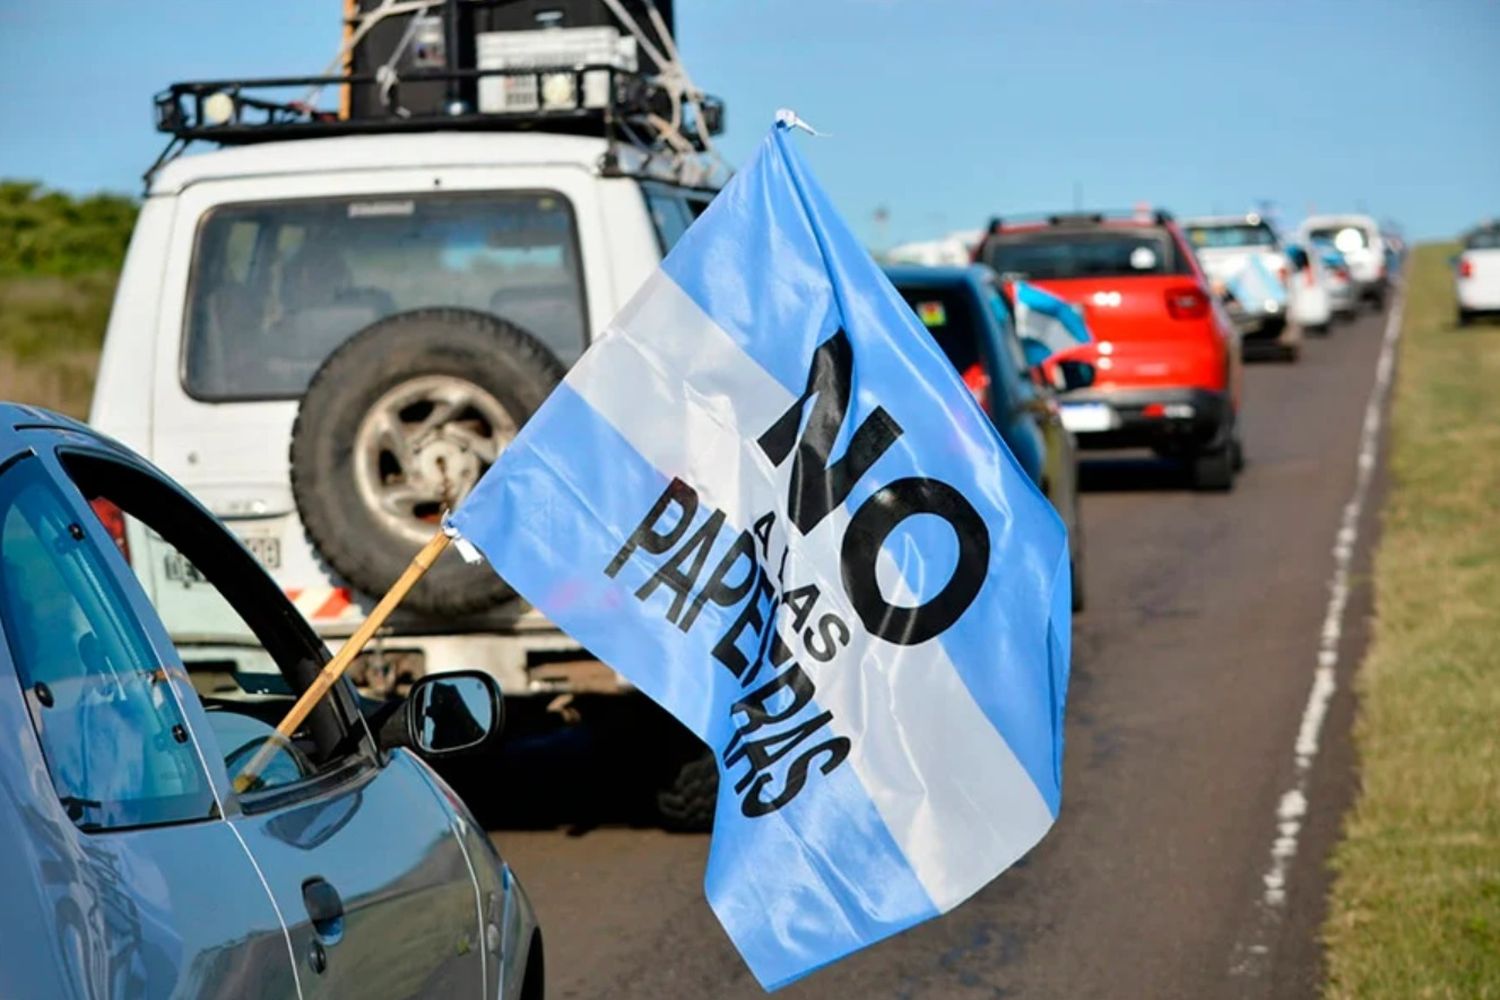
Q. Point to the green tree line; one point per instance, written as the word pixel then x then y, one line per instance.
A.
pixel 46 232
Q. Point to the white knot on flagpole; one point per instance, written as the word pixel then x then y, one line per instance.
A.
pixel 787 118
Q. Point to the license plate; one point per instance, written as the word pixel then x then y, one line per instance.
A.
pixel 266 550
pixel 1084 418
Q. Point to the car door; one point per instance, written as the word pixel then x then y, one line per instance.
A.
pixel 357 848
pixel 122 875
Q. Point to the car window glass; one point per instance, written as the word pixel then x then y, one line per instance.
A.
pixel 244 682
pixel 278 286
pixel 946 314
pixel 1015 357
pixel 1061 253
pixel 1486 239
pixel 697 205
pixel 1243 235
pixel 1345 237
pixel 670 216
pixel 106 714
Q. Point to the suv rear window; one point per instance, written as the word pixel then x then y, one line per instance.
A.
pixel 1343 237
pixel 1245 235
pixel 278 286
pixel 1066 252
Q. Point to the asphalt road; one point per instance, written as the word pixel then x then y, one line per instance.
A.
pixel 1191 671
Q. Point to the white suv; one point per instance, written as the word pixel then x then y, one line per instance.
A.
pixel 445 280
pixel 1359 239
pixel 1476 272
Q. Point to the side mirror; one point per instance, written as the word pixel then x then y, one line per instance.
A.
pixel 1297 257
pixel 1076 374
pixel 448 714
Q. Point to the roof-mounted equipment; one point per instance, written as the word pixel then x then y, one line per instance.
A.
pixel 607 68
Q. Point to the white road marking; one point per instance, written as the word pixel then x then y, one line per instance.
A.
pixel 1251 957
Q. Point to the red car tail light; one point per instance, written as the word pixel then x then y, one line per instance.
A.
pixel 113 519
pixel 1465 267
pixel 1286 275
pixel 978 381
pixel 1187 302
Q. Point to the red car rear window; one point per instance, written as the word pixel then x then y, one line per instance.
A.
pixel 1061 252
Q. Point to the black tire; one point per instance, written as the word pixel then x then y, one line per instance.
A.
pixel 1322 329
pixel 1237 452
pixel 534 979
pixel 510 366
pixel 1465 317
pixel 686 801
pixel 1213 469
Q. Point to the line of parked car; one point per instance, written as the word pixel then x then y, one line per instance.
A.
pixel 1171 310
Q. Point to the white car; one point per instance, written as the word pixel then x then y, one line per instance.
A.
pixel 1476 275
pixel 1247 267
pixel 1359 239
pixel 329 329
pixel 1311 306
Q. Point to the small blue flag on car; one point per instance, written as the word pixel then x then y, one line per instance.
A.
pixel 766 498
pixel 1046 323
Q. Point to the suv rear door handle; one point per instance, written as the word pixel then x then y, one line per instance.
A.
pixel 324 908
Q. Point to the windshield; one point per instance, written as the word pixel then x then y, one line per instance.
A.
pixel 1246 235
pixel 278 286
pixel 1113 252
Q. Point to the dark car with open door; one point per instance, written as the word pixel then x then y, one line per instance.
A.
pixel 146 854
pixel 971 320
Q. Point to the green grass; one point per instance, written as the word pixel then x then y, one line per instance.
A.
pixel 1415 910
pixel 59 259
pixel 51 327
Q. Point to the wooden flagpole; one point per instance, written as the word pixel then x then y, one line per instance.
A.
pixel 335 667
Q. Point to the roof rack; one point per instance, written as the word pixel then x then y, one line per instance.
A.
pixel 587 99
pixel 590 99
pixel 1141 214
pixel 583 80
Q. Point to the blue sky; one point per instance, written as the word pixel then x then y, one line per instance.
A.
pixel 942 111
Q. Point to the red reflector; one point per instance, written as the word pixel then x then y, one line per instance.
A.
pixel 1187 302
pixel 978 381
pixel 113 519
pixel 1154 410
pixel 1465 267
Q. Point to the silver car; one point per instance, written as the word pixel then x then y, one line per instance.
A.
pixel 134 867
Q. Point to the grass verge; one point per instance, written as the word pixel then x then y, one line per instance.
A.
pixel 1416 898
pixel 50 330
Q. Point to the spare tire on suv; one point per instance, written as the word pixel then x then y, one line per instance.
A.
pixel 395 428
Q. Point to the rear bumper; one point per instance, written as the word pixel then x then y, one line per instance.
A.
pixel 1152 418
pixel 1474 298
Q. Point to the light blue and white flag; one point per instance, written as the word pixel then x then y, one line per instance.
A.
pixel 1046 323
pixel 1255 288
pixel 766 498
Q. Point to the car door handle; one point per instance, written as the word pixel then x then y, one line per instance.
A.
pixel 324 908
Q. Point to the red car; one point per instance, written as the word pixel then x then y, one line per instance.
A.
pixel 1166 356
